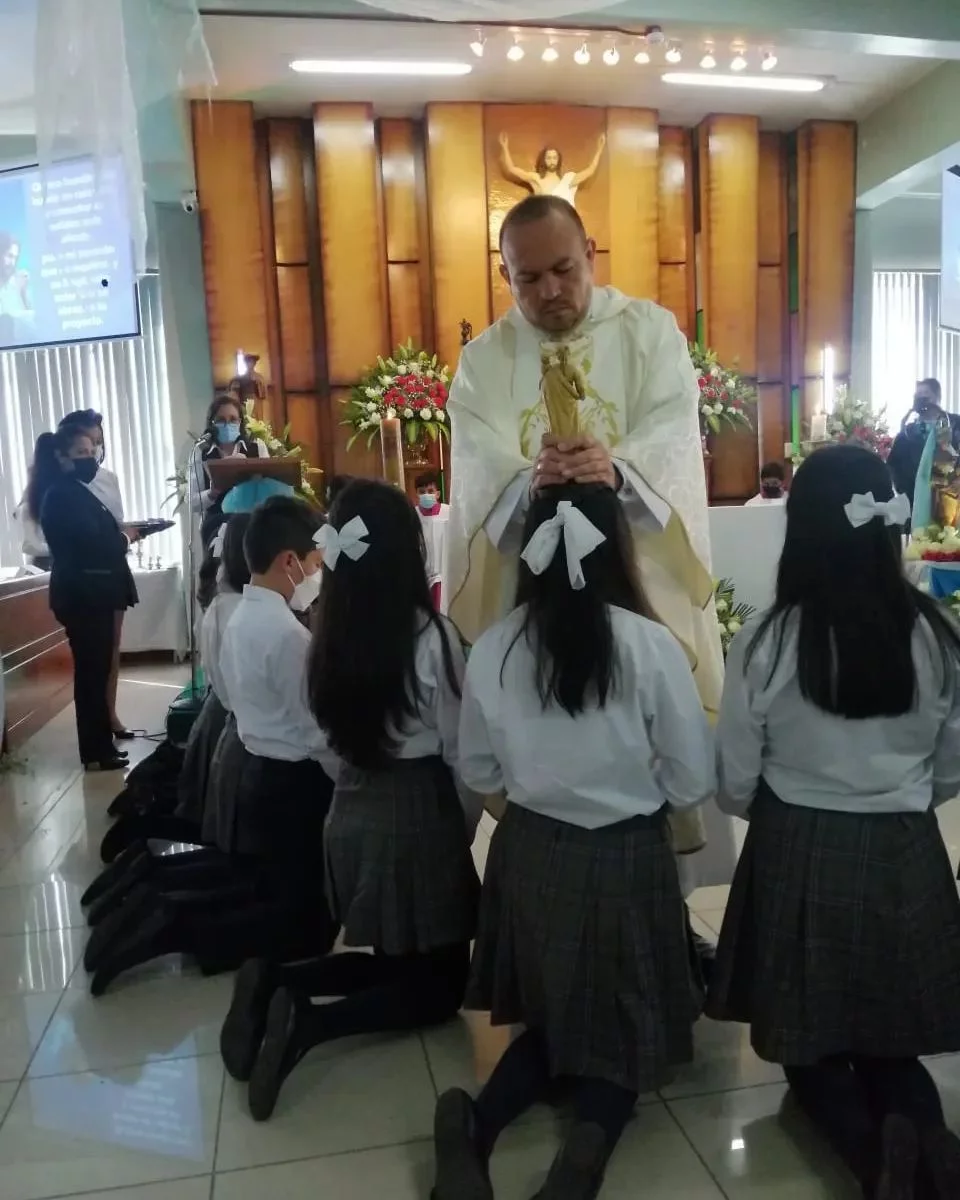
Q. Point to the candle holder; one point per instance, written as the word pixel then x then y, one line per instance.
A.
pixel 391 452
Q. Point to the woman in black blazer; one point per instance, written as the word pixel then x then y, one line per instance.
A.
pixel 90 580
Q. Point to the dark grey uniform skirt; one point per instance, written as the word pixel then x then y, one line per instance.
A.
pixel 400 876
pixel 230 761
pixel 583 937
pixel 198 759
pixel 841 936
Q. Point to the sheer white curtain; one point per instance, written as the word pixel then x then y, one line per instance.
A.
pixel 126 381
pixel 908 344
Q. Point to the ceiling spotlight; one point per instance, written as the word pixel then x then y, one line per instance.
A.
pixel 738 62
pixel 478 43
pixel 673 54
pixel 769 60
pixel 611 56
pixel 582 56
pixel 642 57
pixel 708 62
pixel 550 53
pixel 516 52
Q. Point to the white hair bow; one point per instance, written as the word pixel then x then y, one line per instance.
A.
pixel 580 538
pixel 863 508
pixel 216 546
pixel 348 540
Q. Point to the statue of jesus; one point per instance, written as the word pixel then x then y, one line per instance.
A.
pixel 548 177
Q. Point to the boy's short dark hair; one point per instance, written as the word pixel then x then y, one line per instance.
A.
pixel 280 524
pixel 773 470
pixel 427 479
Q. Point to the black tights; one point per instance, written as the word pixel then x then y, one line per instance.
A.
pixel 847 1098
pixel 381 993
pixel 522 1078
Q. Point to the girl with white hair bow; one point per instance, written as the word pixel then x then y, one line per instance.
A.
pixel 583 709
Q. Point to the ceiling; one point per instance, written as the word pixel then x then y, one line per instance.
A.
pixel 251 57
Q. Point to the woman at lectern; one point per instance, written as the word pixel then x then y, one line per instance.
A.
pixel 90 580
pixel 225 436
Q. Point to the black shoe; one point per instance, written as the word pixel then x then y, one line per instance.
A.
pixel 243 1028
pixel 124 735
pixel 941 1155
pixel 278 1054
pixel 157 935
pixel 108 877
pixel 111 762
pixel 120 883
pixel 116 925
pixel 900 1152
pixel 462 1168
pixel 577 1171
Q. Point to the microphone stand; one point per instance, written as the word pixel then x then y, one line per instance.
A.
pixel 192 535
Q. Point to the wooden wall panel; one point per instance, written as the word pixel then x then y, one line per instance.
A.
pixel 358 460
pixel 826 202
pixel 457 202
pixel 272 408
pixel 296 328
pixel 233 259
pixel 632 146
pixel 729 191
pixel 305 416
pixel 406 321
pixel 287 186
pixel 675 195
pixel 675 294
pixel 574 131
pixel 351 239
pixel 772 199
pixel 773 410
pixel 398 167
pixel 729 231
pixel 771 341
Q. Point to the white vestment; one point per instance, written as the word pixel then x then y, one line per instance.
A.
pixel 642 402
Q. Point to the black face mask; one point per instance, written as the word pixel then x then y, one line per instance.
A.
pixel 771 490
pixel 85 469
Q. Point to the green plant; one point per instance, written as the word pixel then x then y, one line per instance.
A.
pixel 731 613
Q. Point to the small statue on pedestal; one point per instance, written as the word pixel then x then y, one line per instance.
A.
pixel 251 385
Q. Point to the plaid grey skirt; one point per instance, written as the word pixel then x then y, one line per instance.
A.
pixel 230 761
pixel 583 937
pixel 841 935
pixel 198 759
pixel 400 875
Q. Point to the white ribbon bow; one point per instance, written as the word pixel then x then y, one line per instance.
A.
pixel 580 538
pixel 347 540
pixel 216 546
pixel 863 508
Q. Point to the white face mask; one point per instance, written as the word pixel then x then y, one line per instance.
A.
pixel 306 591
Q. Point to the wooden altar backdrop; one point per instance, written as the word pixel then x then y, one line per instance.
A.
pixel 328 241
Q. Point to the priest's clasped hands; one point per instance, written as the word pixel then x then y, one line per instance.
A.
pixel 576 459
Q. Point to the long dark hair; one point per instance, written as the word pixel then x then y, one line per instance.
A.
pixel 361 678
pixel 46 470
pixel 569 629
pixel 235 574
pixel 857 611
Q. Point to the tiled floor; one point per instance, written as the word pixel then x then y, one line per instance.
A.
pixel 124 1098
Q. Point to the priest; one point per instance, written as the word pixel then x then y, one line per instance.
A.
pixel 583 383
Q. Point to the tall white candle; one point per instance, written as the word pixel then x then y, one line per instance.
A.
pixel 829 379
pixel 818 427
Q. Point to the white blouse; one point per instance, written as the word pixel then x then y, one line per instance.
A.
pixel 213 623
pixel 263 665
pixel 816 759
pixel 649 746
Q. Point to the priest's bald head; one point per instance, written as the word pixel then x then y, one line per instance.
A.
pixel 548 262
